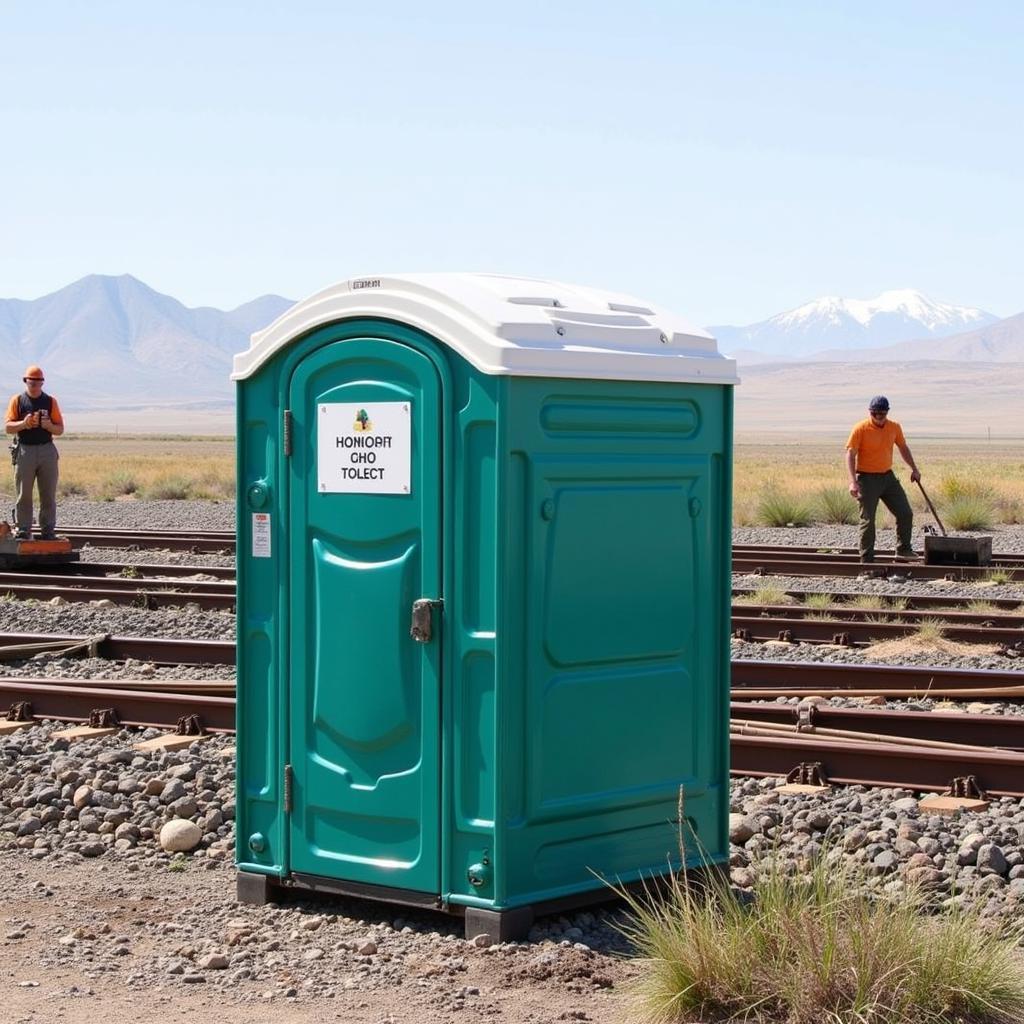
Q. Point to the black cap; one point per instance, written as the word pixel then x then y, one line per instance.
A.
pixel 878 404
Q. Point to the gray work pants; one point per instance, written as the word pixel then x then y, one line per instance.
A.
pixel 884 487
pixel 36 463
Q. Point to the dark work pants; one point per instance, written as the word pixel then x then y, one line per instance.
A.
pixel 884 487
pixel 37 464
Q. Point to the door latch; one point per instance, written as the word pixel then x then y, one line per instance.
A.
pixel 422 629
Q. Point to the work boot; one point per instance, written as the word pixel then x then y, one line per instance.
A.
pixel 907 555
pixel 48 535
pixel 22 535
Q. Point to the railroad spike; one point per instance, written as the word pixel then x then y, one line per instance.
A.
pixel 20 711
pixel 104 718
pixel 189 725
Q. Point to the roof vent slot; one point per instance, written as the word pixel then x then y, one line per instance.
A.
pixel 535 300
pixel 625 307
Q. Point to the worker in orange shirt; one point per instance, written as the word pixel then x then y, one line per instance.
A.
pixel 35 418
pixel 869 465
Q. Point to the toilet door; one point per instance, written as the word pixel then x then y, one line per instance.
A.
pixel 365 507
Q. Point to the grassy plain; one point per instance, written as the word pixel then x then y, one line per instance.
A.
pixel 990 473
pixel 104 467
pixel 800 472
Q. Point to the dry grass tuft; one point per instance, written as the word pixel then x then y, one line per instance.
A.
pixel 818 948
pixel 893 650
pixel 766 594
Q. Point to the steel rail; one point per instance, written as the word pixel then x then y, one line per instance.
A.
pixel 805 552
pixel 129 583
pixel 812 677
pixel 210 687
pixel 158 650
pixel 988 731
pixel 916 602
pixel 949 616
pixel 143 592
pixel 194 541
pixel 148 709
pixel 998 772
pixel 763 565
pixel 847 632
pixel 126 570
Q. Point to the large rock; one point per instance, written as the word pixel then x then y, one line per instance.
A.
pixel 740 829
pixel 180 836
pixel 991 860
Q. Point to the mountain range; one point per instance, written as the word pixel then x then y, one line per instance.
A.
pixel 849 326
pixel 114 343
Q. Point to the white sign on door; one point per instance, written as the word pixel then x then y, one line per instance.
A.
pixel 364 449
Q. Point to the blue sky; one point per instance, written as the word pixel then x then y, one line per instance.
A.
pixel 728 160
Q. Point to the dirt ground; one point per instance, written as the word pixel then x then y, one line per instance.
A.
pixel 130 925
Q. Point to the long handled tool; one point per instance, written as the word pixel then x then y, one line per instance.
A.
pixel 946 550
pixel 932 507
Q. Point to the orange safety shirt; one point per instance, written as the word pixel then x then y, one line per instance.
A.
pixel 13 415
pixel 873 445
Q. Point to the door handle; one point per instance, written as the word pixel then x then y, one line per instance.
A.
pixel 422 629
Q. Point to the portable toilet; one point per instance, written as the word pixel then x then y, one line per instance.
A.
pixel 483 596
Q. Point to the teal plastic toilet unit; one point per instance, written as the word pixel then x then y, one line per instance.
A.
pixel 483 595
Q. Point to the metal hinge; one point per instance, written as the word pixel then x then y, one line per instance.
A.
pixel 286 432
pixel 288 789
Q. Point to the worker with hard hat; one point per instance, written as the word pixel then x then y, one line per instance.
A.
pixel 35 418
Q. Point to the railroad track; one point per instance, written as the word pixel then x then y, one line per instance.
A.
pixel 157 650
pixel 129 571
pixel 764 679
pixel 883 747
pixel 194 541
pixel 858 632
pixel 138 591
pixel 786 561
pixel 915 602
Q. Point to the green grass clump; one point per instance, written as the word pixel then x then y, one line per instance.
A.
pixel 998 576
pixel 818 948
pixel 777 508
pixel 836 505
pixel 930 630
pixel 969 512
pixel 169 488
pixel 819 602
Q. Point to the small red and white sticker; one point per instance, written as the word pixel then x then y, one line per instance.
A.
pixel 261 535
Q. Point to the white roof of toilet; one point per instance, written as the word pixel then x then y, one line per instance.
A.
pixel 513 326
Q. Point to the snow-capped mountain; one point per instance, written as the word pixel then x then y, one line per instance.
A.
pixel 854 324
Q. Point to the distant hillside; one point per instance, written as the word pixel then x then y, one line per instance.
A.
pixel 114 342
pixel 929 397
